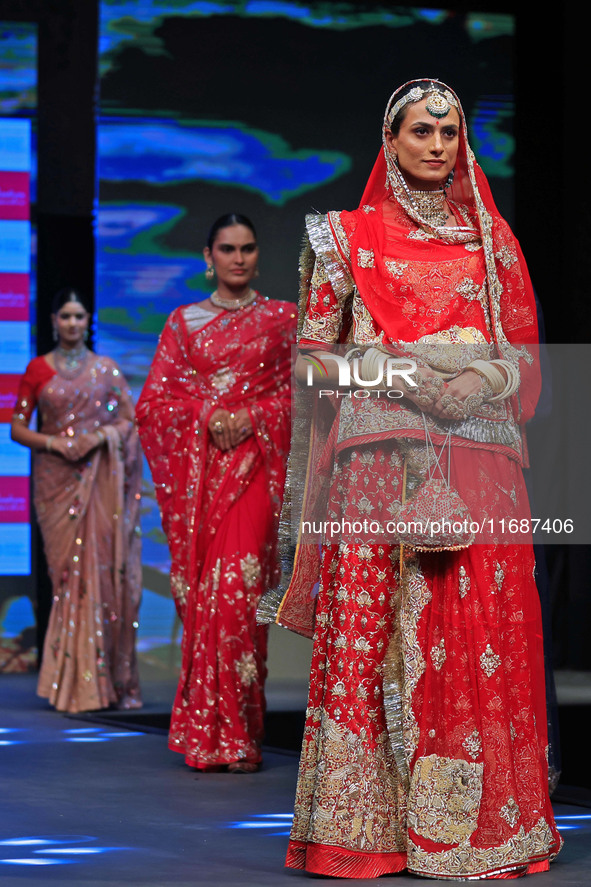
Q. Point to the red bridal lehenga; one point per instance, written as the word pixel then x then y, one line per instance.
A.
pixel 425 744
pixel 220 512
pixel 88 512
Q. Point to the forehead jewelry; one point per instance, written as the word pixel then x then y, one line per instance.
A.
pixel 438 104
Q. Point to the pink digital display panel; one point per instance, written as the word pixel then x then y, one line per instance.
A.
pixel 15 339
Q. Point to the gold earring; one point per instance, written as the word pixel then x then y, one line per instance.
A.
pixel 210 272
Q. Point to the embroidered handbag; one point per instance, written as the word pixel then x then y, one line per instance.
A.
pixel 436 518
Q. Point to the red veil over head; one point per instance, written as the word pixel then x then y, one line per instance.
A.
pixel 508 280
pixel 469 182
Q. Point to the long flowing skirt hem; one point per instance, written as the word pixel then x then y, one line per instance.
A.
pixel 129 702
pixel 337 862
pixel 206 762
pixel 73 708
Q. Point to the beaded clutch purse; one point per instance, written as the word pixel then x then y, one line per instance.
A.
pixel 436 518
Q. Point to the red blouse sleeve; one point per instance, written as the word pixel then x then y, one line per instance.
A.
pixel 37 375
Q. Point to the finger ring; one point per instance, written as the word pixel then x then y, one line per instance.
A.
pixel 219 430
pixel 472 402
pixel 453 406
pixel 231 415
pixel 243 430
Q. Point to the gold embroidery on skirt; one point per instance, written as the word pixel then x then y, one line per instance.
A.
pixel 438 655
pixel 467 861
pixel 348 794
pixel 489 661
pixel 251 570
pixel 473 745
pixel 464 582
pixel 415 597
pixel 365 258
pixel 444 799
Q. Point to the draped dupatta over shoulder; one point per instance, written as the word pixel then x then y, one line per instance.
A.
pixel 191 376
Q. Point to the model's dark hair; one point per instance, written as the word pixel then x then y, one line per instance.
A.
pixel 226 221
pixel 424 84
pixel 68 294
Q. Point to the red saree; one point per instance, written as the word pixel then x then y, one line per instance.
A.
pixel 220 513
pixel 88 512
pixel 425 743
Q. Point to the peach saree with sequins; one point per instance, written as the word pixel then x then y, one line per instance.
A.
pixel 88 512
pixel 220 512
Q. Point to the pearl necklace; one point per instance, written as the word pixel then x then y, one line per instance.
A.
pixel 232 304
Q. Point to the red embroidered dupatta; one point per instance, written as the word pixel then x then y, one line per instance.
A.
pixel 239 359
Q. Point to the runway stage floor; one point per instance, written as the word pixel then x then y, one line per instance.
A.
pixel 92 805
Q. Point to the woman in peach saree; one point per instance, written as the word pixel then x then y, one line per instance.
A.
pixel 87 475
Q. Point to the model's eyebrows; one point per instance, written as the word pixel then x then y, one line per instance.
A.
pixel 428 125
pixel 237 245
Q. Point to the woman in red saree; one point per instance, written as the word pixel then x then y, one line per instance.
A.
pixel 214 418
pixel 425 743
pixel 87 477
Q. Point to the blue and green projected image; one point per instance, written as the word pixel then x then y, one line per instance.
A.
pixel 268 108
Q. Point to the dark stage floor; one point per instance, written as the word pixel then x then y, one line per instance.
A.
pixel 92 804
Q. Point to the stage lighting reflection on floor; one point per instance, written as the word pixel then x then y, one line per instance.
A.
pixel 6 731
pixel 26 842
pixel 74 851
pixel 571 821
pixel 562 816
pixel 72 734
pixel 97 734
pixel 266 821
pixel 34 861
pixel 53 850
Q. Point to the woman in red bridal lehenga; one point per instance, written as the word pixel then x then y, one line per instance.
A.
pixel 425 743
pixel 87 477
pixel 214 418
